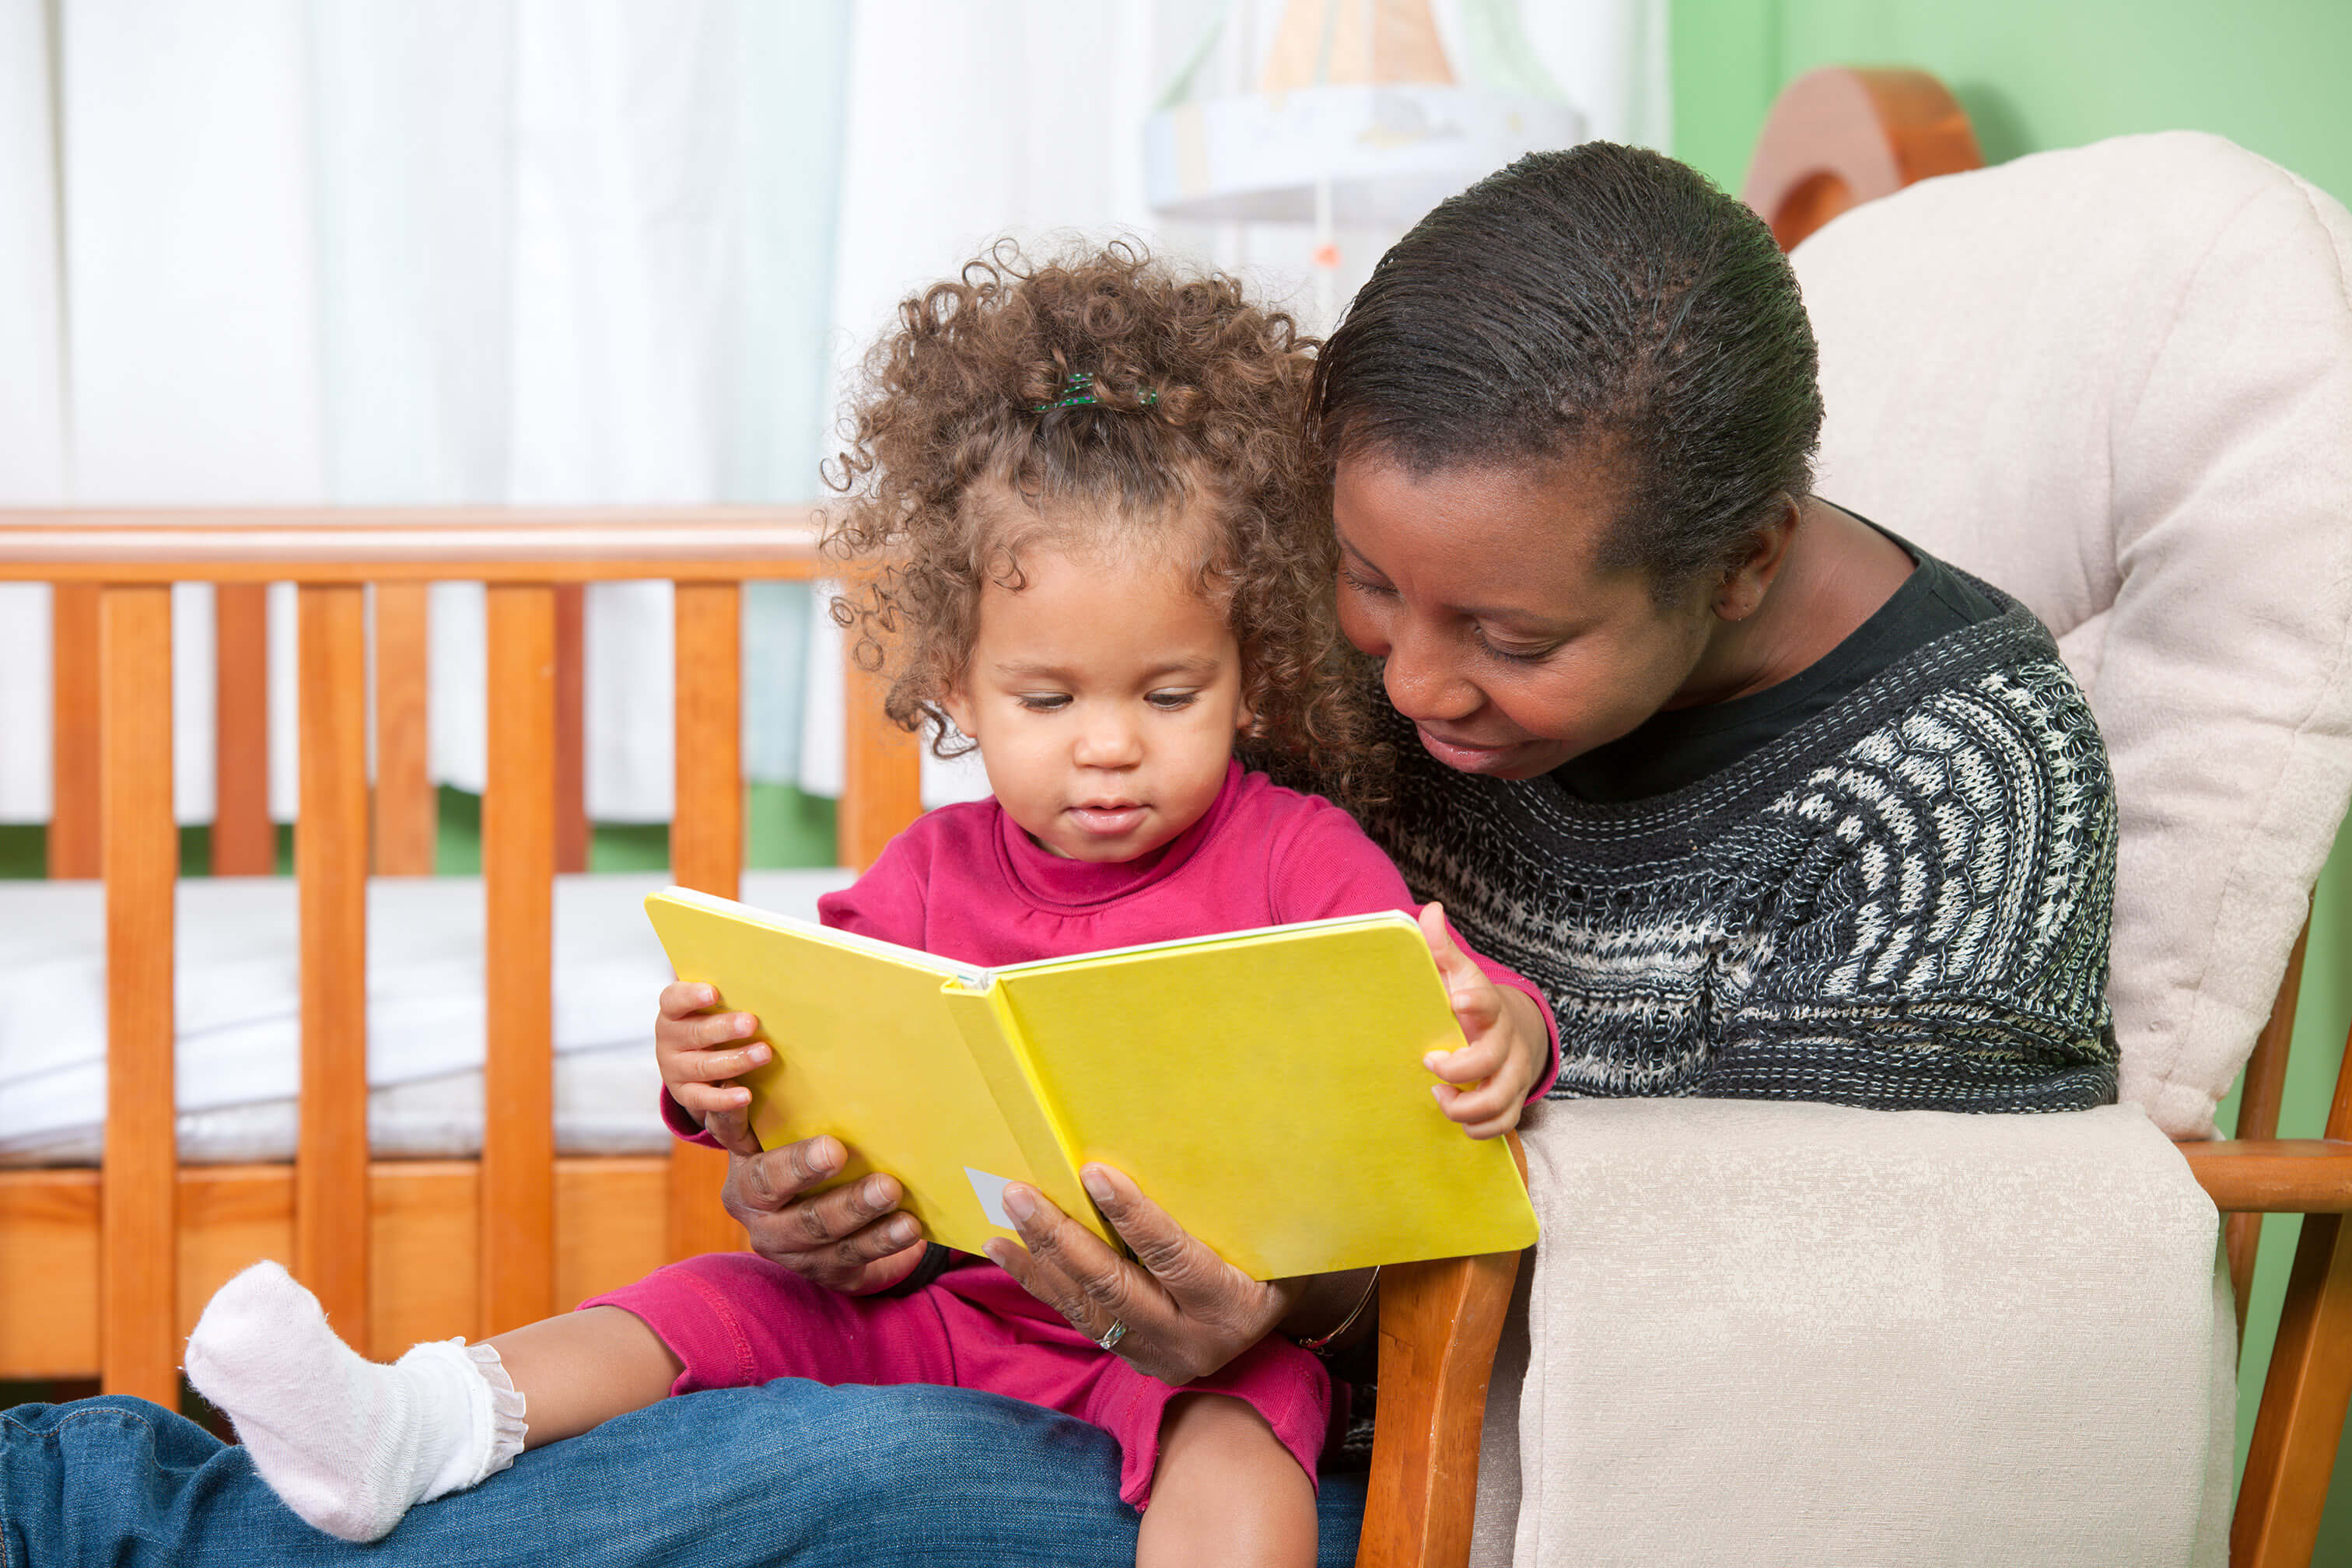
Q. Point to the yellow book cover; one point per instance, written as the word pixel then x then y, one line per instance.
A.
pixel 1266 1087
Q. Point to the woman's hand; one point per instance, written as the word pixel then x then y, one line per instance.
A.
pixel 1187 1310
pixel 698 1066
pixel 852 1240
pixel 1487 1081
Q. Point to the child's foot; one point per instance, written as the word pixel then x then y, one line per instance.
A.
pixel 348 1444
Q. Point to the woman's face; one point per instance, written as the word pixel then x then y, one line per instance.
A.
pixel 1499 634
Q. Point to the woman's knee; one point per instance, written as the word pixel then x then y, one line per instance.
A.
pixel 879 1438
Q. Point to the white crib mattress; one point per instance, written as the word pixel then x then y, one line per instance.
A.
pixel 239 1008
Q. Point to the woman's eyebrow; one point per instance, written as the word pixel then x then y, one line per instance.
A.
pixel 1507 615
pixel 1511 614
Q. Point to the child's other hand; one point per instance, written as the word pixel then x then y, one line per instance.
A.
pixel 697 1066
pixel 1487 1081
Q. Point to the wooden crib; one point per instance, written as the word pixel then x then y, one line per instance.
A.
pixel 102 1272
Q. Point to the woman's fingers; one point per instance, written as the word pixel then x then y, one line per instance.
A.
pixel 850 1238
pixel 1081 1279
pixel 780 1175
pixel 1185 1269
pixel 1187 1312
pixel 1070 1269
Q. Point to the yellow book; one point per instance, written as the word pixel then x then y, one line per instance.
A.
pixel 1265 1086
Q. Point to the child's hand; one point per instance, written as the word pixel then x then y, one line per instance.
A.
pixel 687 1043
pixel 1497 1065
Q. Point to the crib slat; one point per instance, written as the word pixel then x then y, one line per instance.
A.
pixel 331 858
pixel 705 848
pixel 571 728
pixel 245 841
pixel 882 781
pixel 406 814
pixel 138 1184
pixel 518 1228
pixel 73 730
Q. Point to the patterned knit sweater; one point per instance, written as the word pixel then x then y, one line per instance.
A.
pixel 1901 903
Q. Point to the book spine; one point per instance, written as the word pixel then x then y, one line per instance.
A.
pixel 994 1037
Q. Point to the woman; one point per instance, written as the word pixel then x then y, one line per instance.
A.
pixel 1770 805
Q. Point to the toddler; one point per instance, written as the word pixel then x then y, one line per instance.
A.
pixel 1090 544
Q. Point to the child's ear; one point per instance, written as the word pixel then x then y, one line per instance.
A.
pixel 1245 718
pixel 956 702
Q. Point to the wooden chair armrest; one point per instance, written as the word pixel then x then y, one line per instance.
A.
pixel 2273 1175
pixel 1440 1322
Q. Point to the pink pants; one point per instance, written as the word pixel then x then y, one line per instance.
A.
pixel 736 1319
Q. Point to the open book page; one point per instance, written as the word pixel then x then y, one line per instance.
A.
pixel 1267 1090
pixel 1266 1087
pixel 866 1050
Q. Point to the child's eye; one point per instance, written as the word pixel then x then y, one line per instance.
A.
pixel 1171 701
pixel 1043 702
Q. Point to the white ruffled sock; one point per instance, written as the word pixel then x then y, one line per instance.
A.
pixel 348 1444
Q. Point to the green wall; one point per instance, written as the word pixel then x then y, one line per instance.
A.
pixel 2038 74
pixel 2268 74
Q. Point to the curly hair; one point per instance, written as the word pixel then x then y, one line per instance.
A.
pixel 964 447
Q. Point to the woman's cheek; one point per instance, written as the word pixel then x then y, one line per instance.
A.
pixel 1357 624
pixel 1569 705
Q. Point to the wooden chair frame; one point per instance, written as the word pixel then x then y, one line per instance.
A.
pixel 103 1271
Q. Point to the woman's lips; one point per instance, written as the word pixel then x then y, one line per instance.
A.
pixel 1460 755
pixel 1109 821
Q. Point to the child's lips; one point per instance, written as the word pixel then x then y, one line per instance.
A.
pixel 1110 818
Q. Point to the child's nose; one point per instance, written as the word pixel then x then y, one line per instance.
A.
pixel 1110 743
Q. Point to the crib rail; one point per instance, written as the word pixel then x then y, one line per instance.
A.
pixel 111 573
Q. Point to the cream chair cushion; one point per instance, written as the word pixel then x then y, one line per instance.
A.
pixel 1819 1337
pixel 2117 380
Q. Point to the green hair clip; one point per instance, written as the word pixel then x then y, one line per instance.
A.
pixel 1079 390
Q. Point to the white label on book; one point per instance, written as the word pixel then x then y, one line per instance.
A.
pixel 990 1191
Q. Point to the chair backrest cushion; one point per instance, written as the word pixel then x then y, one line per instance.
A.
pixel 2117 380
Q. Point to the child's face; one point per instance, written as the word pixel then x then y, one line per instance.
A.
pixel 1105 696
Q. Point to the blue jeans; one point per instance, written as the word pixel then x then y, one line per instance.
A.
pixel 794 1473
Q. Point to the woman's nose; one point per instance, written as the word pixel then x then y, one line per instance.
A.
pixel 1423 680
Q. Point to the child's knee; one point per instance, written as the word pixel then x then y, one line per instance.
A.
pixel 1217 1430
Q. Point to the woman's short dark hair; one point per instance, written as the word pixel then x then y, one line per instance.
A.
pixel 1605 300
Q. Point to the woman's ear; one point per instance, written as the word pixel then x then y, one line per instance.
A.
pixel 1743 588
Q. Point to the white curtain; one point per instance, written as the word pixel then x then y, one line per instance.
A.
pixel 524 251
